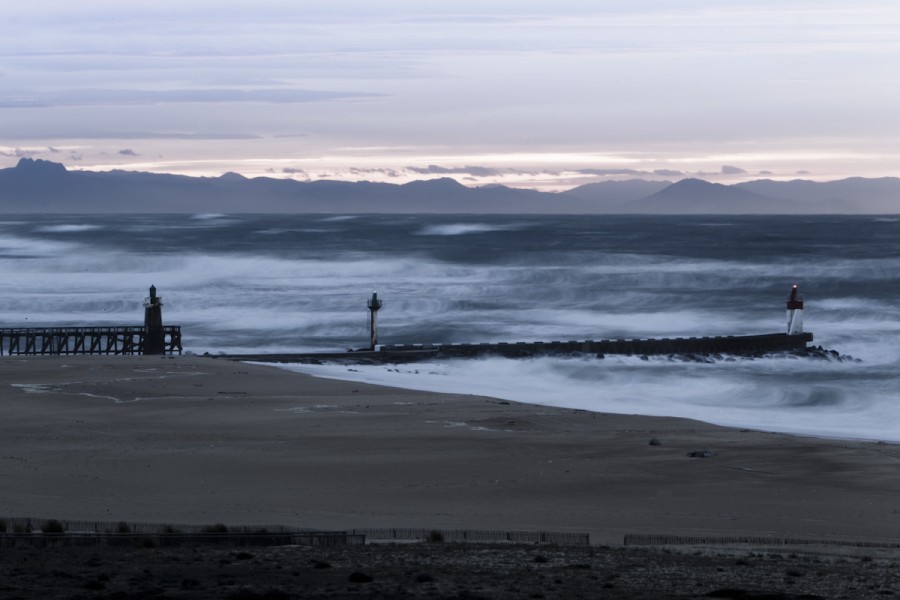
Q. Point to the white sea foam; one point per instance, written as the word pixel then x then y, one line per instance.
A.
pixel 12 245
pixel 463 228
pixel 68 228
pixel 774 394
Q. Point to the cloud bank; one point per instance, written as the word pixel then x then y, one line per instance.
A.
pixel 525 93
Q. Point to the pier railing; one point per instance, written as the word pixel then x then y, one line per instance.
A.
pixel 84 340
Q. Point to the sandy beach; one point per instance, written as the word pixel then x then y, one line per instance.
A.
pixel 204 440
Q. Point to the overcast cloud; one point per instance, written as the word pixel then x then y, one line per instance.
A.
pixel 540 94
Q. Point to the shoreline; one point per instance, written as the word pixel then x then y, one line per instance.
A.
pixel 310 370
pixel 201 439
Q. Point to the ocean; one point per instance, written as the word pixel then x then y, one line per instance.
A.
pixel 299 283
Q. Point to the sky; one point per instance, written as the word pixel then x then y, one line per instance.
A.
pixel 536 94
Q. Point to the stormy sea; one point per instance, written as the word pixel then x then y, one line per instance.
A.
pixel 299 283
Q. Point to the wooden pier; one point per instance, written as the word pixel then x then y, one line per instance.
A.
pixel 151 338
pixel 88 340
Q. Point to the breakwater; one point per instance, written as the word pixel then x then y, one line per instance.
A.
pixel 795 339
pixel 743 345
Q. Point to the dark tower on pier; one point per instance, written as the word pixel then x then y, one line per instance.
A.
pixel 154 336
pixel 374 304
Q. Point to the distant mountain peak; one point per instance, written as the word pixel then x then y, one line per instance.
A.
pixel 696 196
pixel 694 183
pixel 34 165
pixel 440 182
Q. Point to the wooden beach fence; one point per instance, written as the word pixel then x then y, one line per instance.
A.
pixel 17 531
pixel 750 541
pixel 475 536
pixel 21 531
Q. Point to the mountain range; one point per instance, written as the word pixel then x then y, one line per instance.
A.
pixel 39 186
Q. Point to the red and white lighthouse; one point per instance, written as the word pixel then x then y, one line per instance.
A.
pixel 795 312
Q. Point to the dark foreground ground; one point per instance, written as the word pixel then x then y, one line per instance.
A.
pixel 438 570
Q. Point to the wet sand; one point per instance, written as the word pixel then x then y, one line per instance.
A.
pixel 204 440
